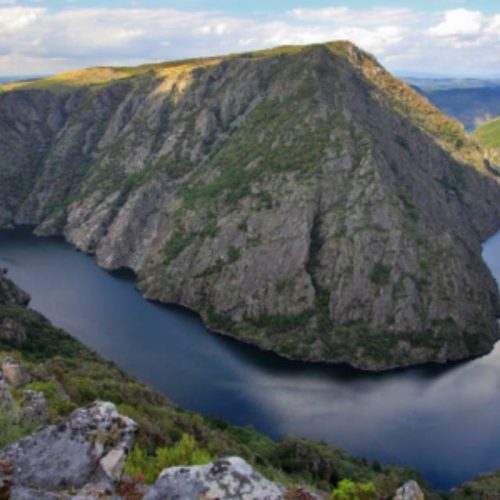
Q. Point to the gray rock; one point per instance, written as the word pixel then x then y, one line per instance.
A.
pixel 409 491
pixel 6 399
pixel 10 293
pixel 33 407
pixel 14 373
pixel 228 479
pixel 25 493
pixel 13 330
pixel 112 463
pixel 69 455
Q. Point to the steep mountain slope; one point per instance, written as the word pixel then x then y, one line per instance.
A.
pixel 300 199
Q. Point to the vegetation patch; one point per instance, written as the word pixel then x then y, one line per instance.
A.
pixel 488 135
pixel 177 243
pixel 403 143
pixel 144 467
pixel 277 323
pixel 380 274
pixel 12 427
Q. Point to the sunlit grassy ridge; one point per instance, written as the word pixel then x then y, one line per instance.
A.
pixel 488 135
pixel 449 133
pixel 102 75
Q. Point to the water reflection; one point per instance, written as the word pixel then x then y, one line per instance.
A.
pixel 442 420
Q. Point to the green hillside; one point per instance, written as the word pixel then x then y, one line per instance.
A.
pixel 488 135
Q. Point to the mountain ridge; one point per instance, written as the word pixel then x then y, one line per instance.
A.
pixel 302 200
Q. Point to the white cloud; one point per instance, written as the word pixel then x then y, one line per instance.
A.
pixel 461 28
pixel 38 40
pixel 376 40
pixel 13 19
pixel 459 22
pixel 373 16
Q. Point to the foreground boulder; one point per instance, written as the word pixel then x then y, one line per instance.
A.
pixel 228 479
pixel 87 451
pixel 409 491
pixel 13 373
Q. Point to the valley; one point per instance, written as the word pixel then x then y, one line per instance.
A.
pixel 300 199
pixel 273 256
pixel 419 416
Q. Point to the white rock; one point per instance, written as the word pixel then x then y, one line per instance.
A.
pixel 112 464
pixel 409 491
pixel 229 478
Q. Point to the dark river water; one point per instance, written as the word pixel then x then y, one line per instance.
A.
pixel 443 421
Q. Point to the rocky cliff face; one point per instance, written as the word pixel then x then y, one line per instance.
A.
pixel 299 199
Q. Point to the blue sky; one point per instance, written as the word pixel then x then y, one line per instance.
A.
pixel 254 7
pixel 455 37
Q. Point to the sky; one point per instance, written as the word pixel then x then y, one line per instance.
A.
pixel 435 37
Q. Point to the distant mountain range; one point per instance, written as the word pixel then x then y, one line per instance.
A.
pixel 8 79
pixel 471 101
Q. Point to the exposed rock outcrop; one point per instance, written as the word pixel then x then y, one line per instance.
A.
pixel 34 407
pixel 84 458
pixel 6 399
pixel 10 294
pixel 230 478
pixel 409 491
pixel 12 330
pixel 302 200
pixel 83 453
pixel 13 373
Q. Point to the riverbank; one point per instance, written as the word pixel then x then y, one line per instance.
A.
pixel 70 375
pixel 415 417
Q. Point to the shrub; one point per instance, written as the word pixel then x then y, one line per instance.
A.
pixel 380 274
pixel 146 467
pixel 141 466
pixel 57 404
pixel 177 243
pixel 11 427
pixel 403 143
pixel 349 490
pixel 185 452
pixel 233 254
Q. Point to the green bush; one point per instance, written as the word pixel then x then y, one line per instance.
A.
pixel 380 274
pixel 233 254
pixel 11 427
pixel 57 404
pixel 147 467
pixel 177 243
pixel 185 452
pixel 141 466
pixel 349 490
